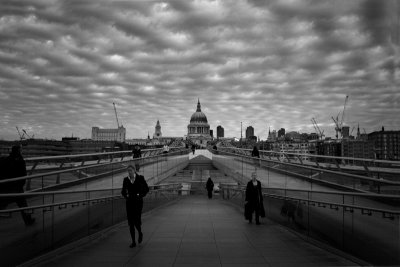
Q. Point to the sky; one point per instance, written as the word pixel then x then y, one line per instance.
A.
pixel 267 64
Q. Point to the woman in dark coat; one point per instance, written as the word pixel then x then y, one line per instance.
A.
pixel 254 199
pixel 134 188
pixel 12 167
pixel 209 187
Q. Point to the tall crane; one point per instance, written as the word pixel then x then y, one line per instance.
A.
pixel 31 137
pixel 116 116
pixel 339 124
pixel 344 109
pixel 316 127
pixel 21 136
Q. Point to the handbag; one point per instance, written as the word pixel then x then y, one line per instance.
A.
pixel 247 211
pixel 262 210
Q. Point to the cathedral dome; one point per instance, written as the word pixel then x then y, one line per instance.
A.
pixel 198 116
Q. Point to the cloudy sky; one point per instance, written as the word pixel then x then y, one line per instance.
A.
pixel 264 63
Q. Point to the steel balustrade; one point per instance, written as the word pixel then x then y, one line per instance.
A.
pixel 81 174
pixel 320 173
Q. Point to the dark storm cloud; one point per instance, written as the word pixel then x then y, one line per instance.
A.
pixel 265 63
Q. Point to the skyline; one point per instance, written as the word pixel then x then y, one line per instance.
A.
pixel 266 64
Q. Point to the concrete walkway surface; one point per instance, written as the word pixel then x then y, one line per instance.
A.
pixel 196 231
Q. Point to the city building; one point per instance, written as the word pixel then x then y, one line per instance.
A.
pixel 249 132
pixel 281 133
pixel 300 148
pixel 385 145
pixel 109 134
pixel 198 128
pixel 220 131
pixel 345 132
pixel 272 136
pixel 356 148
pixel 157 133
pixel 293 136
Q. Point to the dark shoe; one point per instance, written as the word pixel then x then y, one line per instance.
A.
pixel 250 221
pixel 132 245
pixel 30 221
pixel 258 223
pixel 140 239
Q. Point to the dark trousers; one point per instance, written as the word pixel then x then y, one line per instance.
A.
pixel 209 193
pixel 256 209
pixel 21 203
pixel 134 213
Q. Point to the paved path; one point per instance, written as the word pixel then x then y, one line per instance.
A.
pixel 196 231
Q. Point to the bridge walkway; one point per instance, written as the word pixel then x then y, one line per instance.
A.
pixel 196 231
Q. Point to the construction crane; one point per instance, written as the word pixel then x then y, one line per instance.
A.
pixel 116 116
pixel 317 129
pixel 21 136
pixel 30 137
pixel 24 134
pixel 339 124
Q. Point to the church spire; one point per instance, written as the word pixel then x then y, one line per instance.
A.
pixel 198 105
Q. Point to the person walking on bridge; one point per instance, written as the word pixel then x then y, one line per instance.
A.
pixel 209 187
pixel 256 154
pixel 134 188
pixel 254 199
pixel 12 167
pixel 136 152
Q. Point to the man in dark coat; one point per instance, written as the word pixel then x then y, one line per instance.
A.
pixel 254 198
pixel 13 167
pixel 134 188
pixel 255 153
pixel 209 187
pixel 136 152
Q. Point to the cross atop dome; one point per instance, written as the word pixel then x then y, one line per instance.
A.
pixel 198 105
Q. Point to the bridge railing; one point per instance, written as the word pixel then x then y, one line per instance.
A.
pixel 376 179
pixel 63 217
pixel 365 225
pixel 153 166
pixel 51 163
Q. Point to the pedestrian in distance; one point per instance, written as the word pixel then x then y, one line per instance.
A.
pixel 193 148
pixel 209 187
pixel 14 166
pixel 254 200
pixel 136 152
pixel 256 154
pixel 134 189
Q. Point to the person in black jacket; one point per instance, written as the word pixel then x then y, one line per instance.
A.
pixel 136 152
pixel 134 188
pixel 14 166
pixel 256 154
pixel 254 198
pixel 209 187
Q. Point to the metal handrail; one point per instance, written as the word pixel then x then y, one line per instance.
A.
pixel 74 201
pixel 388 182
pixel 363 208
pixel 33 176
pixel 366 195
pixel 319 156
pixel 92 154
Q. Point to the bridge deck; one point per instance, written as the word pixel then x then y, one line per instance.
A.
pixel 196 231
